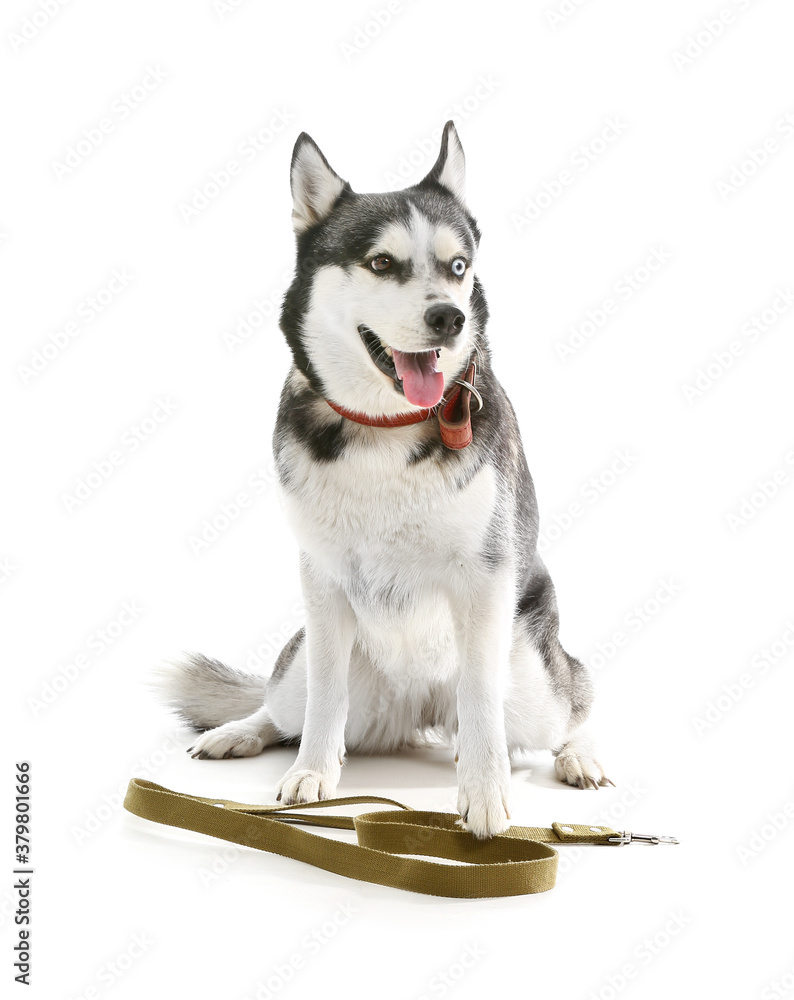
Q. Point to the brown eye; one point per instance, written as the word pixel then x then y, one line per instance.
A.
pixel 380 263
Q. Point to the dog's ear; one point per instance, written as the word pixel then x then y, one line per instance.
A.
pixel 315 185
pixel 449 169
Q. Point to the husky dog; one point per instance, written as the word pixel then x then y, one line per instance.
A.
pixel 427 604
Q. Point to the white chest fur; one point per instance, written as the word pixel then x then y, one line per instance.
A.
pixel 369 515
pixel 392 535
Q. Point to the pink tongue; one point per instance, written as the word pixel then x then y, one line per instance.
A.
pixel 422 384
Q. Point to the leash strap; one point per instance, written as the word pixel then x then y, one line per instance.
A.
pixel 519 861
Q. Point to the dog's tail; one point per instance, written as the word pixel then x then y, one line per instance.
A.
pixel 205 693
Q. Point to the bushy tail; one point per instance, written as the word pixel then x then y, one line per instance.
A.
pixel 205 693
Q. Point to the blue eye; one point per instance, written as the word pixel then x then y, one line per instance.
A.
pixel 458 267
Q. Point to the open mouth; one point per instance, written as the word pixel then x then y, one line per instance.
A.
pixel 414 372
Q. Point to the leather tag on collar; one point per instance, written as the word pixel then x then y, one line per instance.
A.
pixel 454 417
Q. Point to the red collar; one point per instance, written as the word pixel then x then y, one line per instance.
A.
pixel 454 416
pixel 398 420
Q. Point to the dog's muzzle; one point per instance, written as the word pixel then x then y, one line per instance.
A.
pixel 445 320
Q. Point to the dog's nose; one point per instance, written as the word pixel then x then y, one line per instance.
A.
pixel 445 319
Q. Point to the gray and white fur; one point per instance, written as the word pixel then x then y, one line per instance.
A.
pixel 427 604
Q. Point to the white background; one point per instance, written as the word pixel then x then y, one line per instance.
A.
pixel 215 925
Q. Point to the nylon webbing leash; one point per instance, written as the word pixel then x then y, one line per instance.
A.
pixel 513 863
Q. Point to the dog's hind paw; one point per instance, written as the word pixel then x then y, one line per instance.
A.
pixel 235 739
pixel 580 771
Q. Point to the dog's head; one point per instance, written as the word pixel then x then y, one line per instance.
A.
pixel 384 310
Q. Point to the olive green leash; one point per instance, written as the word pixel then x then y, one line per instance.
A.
pixel 520 860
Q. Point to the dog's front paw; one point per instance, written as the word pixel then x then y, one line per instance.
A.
pixel 483 803
pixel 301 784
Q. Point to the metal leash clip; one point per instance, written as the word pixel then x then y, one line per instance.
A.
pixel 642 838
